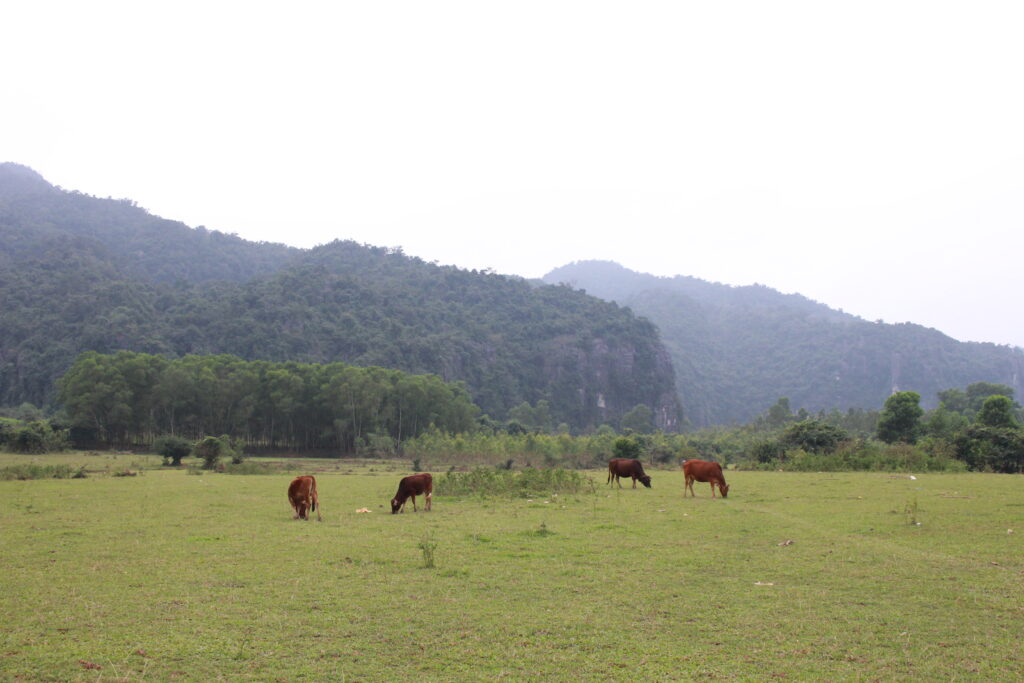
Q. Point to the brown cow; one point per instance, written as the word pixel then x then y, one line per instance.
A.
pixel 627 467
pixel 302 496
pixel 410 487
pixel 702 470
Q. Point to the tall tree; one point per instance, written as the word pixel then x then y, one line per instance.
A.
pixel 901 418
pixel 997 411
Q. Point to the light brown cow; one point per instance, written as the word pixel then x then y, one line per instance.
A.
pixel 702 470
pixel 302 496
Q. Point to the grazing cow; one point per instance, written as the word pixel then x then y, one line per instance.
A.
pixel 627 467
pixel 410 487
pixel 302 496
pixel 702 470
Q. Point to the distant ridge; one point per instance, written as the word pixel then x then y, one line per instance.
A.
pixel 736 350
pixel 82 273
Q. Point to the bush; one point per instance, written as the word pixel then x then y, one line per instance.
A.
pixel 38 437
pixel 172 448
pixel 626 448
pixel 210 450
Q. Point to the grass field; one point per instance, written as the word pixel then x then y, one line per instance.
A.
pixel 167 576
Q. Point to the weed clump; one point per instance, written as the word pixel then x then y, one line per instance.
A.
pixel 428 545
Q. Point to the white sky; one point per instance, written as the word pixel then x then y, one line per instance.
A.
pixel 869 155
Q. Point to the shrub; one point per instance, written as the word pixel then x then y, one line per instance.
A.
pixel 626 448
pixel 210 450
pixel 38 437
pixel 172 448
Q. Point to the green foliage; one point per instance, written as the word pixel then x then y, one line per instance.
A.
pixel 131 281
pixel 997 411
pixel 625 447
pixel 211 449
pixel 737 349
pixel 901 418
pixel 33 471
pixel 172 448
pixel 37 437
pixel 639 420
pixel 131 397
pixel 528 483
pixel 868 456
pixel 530 418
pixel 813 436
pixel 991 449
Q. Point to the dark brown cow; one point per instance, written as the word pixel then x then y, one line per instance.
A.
pixel 410 487
pixel 302 496
pixel 627 467
pixel 702 470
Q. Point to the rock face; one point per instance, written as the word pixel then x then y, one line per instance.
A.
pixel 606 378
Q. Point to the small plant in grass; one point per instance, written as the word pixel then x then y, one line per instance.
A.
pixel 428 545
pixel 543 530
pixel 911 510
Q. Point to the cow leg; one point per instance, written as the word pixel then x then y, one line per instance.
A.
pixel 689 485
pixel 316 506
pixel 712 488
pixel 429 497
pixel 414 502
pixel 618 480
pixel 634 482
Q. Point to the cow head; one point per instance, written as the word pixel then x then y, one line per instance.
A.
pixel 646 481
pixel 395 505
pixel 724 490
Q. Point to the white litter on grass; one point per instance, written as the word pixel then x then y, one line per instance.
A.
pixel 763 583
pixel 362 510
pixel 788 541
pixel 1009 531
pixel 913 477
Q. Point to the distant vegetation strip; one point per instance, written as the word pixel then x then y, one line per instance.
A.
pixel 523 484
pixel 31 471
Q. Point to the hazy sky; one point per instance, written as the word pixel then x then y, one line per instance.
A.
pixel 869 155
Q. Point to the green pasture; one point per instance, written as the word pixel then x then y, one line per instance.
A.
pixel 171 576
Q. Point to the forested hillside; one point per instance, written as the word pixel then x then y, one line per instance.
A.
pixel 738 349
pixel 78 273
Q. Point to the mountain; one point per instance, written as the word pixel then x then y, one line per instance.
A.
pixel 81 273
pixel 736 350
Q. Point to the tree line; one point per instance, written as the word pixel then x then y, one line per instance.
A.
pixel 128 398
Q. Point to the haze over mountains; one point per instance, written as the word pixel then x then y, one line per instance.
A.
pixel 81 273
pixel 738 349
